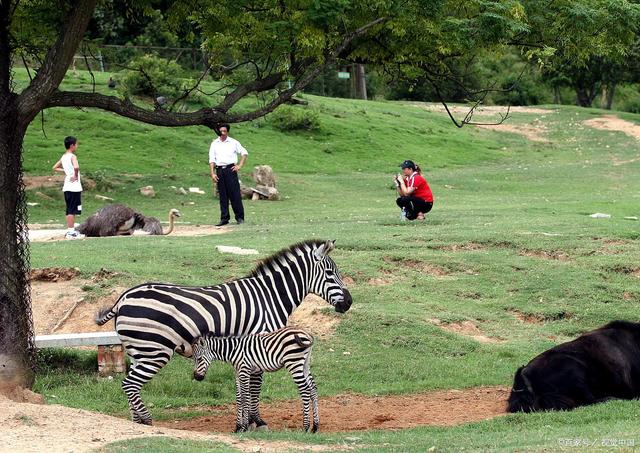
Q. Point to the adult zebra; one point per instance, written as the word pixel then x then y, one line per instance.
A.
pixel 154 320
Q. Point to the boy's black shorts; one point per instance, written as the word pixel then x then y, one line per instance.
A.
pixel 74 202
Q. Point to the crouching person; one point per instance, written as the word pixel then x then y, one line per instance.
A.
pixel 251 356
pixel 415 198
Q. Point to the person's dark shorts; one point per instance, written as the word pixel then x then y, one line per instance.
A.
pixel 74 202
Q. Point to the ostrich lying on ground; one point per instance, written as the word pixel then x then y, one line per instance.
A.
pixel 120 220
pixel 152 225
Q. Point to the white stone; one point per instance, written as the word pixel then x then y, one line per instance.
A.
pixel 600 215
pixel 236 250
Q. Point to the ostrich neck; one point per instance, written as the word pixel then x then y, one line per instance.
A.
pixel 170 225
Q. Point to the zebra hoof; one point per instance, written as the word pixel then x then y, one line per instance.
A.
pixel 263 428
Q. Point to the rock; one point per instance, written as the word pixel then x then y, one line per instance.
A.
pixel 148 191
pixel 103 198
pixel 196 190
pixel 182 191
pixel 600 215
pixel 246 192
pixel 263 176
pixel 255 196
pixel 236 250
pixel 270 193
pixel 631 217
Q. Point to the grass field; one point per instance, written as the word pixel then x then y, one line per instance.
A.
pixel 509 240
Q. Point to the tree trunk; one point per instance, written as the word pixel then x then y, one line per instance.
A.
pixel 585 95
pixel 557 96
pixel 16 327
pixel 604 94
pixel 361 82
pixel 610 93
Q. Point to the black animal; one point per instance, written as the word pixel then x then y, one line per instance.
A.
pixel 599 365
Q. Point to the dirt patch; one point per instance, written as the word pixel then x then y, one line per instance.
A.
pixel 379 281
pixel 628 296
pixel 34 428
pixel 482 110
pixel 540 318
pixel 613 123
pixel 426 268
pixel 37 182
pixel 466 329
pixel 534 132
pixel 314 315
pixel 627 270
pixel 62 306
pixel 357 412
pixel 557 255
pixel 53 274
pixel 45 235
pixel 467 246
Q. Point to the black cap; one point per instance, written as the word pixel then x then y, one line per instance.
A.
pixel 408 164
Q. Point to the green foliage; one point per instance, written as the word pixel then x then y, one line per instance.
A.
pixel 150 75
pixel 288 118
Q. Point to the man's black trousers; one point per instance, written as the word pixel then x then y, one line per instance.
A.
pixel 229 190
pixel 414 205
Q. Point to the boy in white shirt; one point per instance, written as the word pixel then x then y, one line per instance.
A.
pixel 72 187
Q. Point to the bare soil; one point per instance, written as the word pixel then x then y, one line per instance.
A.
pixel 53 274
pixel 42 235
pixel 357 412
pixel 483 110
pixel 534 132
pixel 613 123
pixel 546 255
pixel 466 329
pixel 28 427
pixel 427 268
pixel 314 316
pixel 465 247
pixel 37 182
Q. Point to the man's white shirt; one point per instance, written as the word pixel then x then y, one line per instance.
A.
pixel 225 152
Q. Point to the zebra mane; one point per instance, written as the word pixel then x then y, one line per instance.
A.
pixel 311 243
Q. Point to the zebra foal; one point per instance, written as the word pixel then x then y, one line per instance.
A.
pixel 251 356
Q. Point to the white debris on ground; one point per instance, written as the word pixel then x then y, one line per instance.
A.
pixel 196 190
pixel 236 250
pixel 600 215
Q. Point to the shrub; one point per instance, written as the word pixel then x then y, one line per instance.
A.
pixel 152 76
pixel 287 118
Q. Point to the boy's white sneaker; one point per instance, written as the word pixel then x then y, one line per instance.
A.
pixel 73 235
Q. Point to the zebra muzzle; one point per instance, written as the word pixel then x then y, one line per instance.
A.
pixel 198 377
pixel 344 305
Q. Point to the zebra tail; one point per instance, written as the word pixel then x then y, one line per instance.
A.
pixel 105 314
pixel 304 342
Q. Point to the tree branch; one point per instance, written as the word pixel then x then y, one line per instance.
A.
pixel 210 117
pixel 57 61
pixel 124 107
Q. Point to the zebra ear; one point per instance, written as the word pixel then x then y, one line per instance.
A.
pixel 324 249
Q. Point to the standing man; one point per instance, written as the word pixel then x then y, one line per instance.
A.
pixel 72 187
pixel 223 160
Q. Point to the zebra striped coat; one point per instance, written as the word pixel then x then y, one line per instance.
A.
pixel 252 355
pixel 154 320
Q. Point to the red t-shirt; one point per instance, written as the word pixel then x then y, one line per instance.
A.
pixel 423 191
